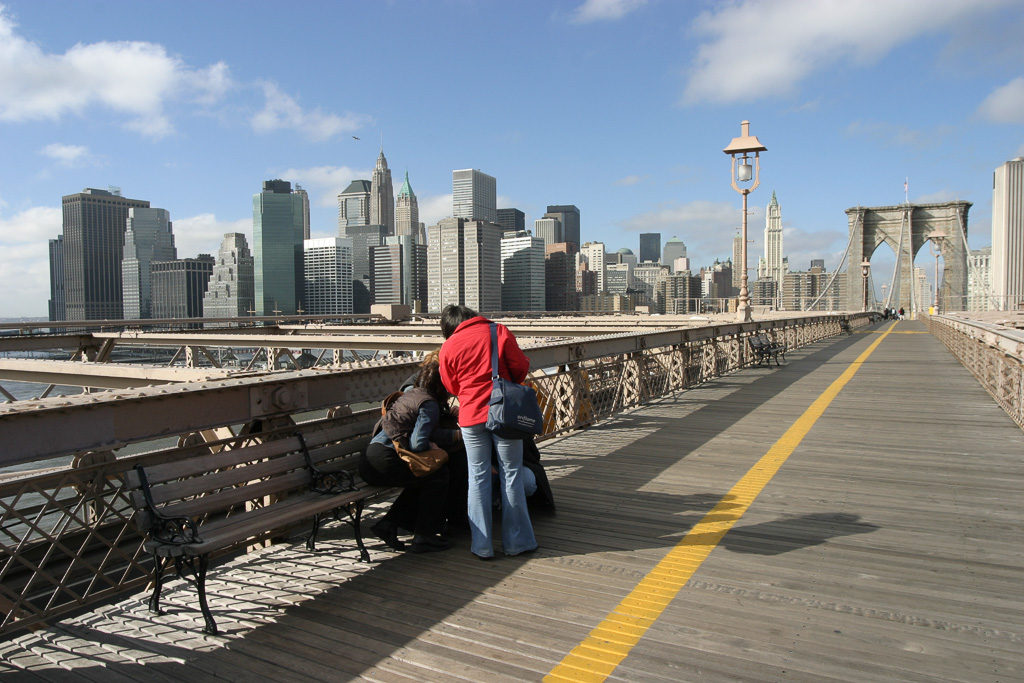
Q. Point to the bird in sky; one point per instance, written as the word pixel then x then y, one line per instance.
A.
pixel 354 137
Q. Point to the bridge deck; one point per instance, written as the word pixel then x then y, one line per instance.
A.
pixel 888 546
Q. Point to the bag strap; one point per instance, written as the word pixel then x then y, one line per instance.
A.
pixel 494 352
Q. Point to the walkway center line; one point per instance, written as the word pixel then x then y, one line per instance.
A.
pixel 610 642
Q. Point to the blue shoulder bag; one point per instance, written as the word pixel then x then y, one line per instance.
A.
pixel 513 412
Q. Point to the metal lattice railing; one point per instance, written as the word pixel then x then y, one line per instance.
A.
pixel 67 539
pixel 993 354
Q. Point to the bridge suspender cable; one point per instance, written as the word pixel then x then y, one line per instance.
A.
pixel 837 270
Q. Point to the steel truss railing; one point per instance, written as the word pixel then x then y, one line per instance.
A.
pixel 993 354
pixel 66 532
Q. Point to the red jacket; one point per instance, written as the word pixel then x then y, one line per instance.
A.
pixel 465 364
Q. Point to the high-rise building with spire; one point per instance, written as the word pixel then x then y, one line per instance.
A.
pixel 407 211
pixel 773 266
pixel 382 196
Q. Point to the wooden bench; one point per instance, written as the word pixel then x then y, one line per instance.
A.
pixel 764 349
pixel 214 501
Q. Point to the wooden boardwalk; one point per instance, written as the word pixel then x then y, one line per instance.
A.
pixel 888 546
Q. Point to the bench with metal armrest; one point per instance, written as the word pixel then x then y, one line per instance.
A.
pixel 214 501
pixel 765 349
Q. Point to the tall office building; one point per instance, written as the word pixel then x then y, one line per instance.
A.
pixel 801 289
pixel 522 272
pixel 304 198
pixel 382 196
pixel 147 238
pixel 512 219
pixel 328 273
pixel 277 249
pixel 569 216
pixel 93 231
pixel 674 248
pixel 231 291
pixel 179 286
pixel 474 195
pixel 354 205
pixel 1008 235
pixel 364 238
pixel 923 295
pixel 549 230
pixel 464 264
pixel 560 277
pixel 979 280
pixel 407 212
pixel 400 272
pixel 737 258
pixel 650 247
pixel 773 241
pixel 592 253
pixel 650 275
pixel 56 303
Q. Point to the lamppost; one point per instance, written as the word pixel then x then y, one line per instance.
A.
pixel 865 268
pixel 743 146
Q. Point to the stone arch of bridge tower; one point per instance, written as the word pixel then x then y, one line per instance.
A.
pixel 906 228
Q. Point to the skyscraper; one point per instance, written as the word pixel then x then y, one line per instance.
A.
pixel 304 198
pixel 364 238
pixel 382 196
pixel 56 303
pixel 569 216
pixel 592 253
pixel 650 247
pixel 354 205
pixel 407 211
pixel 773 241
pixel 400 272
pixel 328 275
pixel 277 249
pixel 231 291
pixel 559 277
pixel 522 272
pixel 512 219
pixel 674 248
pixel 464 264
pixel 179 286
pixel 979 280
pixel 94 225
pixel 1008 235
pixel 147 238
pixel 549 230
pixel 474 195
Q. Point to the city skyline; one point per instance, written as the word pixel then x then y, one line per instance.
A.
pixel 205 120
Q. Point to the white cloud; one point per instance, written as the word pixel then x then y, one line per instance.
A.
pixel 737 63
pixel 65 155
pixel 433 209
pixel 898 135
pixel 135 78
pixel 630 180
pixel 282 111
pixel 25 261
pixel 605 10
pixel 203 234
pixel 324 182
pixel 1005 104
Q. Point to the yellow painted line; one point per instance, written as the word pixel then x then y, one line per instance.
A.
pixel 611 641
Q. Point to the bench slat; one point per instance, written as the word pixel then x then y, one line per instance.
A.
pixel 224 500
pixel 235 476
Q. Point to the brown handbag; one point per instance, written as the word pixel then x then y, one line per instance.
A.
pixel 422 463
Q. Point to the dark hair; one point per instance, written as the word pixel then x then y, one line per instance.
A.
pixel 428 376
pixel 454 315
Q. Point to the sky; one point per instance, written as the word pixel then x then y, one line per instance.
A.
pixel 621 107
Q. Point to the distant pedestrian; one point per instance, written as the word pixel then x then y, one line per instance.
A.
pixel 902 313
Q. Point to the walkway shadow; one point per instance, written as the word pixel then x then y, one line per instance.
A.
pixel 794 532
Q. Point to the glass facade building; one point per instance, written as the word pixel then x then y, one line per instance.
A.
pixel 277 216
pixel 522 272
pixel 179 286
pixel 147 238
pixel 474 195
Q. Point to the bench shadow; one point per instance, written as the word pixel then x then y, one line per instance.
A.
pixel 374 610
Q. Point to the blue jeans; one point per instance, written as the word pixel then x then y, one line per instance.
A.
pixel 516 529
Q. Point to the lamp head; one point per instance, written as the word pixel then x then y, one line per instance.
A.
pixel 865 267
pixel 746 143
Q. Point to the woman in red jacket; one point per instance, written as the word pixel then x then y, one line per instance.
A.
pixel 466 372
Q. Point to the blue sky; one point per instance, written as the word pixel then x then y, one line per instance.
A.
pixel 621 107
